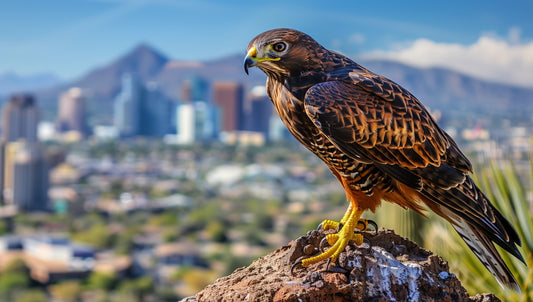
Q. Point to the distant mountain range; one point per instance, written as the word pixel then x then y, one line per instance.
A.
pixel 450 92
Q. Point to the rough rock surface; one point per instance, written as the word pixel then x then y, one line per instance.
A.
pixel 386 267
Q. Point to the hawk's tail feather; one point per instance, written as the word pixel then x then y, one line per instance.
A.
pixel 483 248
pixel 479 224
pixel 468 203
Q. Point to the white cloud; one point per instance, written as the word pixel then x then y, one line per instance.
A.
pixel 490 57
pixel 357 38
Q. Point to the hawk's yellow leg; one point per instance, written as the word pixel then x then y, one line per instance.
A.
pixel 362 224
pixel 341 239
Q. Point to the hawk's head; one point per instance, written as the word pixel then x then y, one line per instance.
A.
pixel 283 52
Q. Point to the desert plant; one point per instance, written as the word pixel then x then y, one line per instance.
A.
pixel 501 183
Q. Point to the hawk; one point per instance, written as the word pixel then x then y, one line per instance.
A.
pixel 380 143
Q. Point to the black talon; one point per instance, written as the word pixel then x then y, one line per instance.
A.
pixel 338 227
pixel 327 264
pixel 321 246
pixel 295 264
pixel 373 224
pixel 335 269
pixel 366 223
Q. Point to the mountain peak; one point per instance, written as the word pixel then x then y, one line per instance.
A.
pixel 144 49
pixel 143 60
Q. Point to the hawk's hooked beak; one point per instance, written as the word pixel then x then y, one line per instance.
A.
pixel 253 59
pixel 250 60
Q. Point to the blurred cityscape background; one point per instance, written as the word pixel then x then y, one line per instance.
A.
pixel 149 176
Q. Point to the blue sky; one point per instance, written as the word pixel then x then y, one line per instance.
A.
pixel 70 37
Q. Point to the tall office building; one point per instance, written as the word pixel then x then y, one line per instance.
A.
pixel 72 112
pixel 2 168
pixel 229 97
pixel 10 153
pixel 259 111
pixel 24 171
pixel 20 116
pixel 30 178
pixel 128 105
pixel 195 89
pixel 196 122
pixel 142 110
pixel 155 114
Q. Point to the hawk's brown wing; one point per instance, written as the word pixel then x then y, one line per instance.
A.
pixel 375 120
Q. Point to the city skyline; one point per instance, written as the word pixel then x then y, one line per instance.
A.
pixel 68 39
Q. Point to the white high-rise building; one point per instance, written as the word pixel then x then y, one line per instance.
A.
pixel 196 122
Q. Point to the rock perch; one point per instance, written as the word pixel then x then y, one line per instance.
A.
pixel 386 267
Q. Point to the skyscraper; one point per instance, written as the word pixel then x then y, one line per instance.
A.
pixel 2 168
pixel 141 110
pixel 72 113
pixel 10 154
pixel 196 122
pixel 259 111
pixel 156 112
pixel 24 171
pixel 20 117
pixel 195 89
pixel 30 182
pixel 127 106
pixel 229 97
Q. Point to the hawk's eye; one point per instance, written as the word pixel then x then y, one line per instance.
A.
pixel 279 47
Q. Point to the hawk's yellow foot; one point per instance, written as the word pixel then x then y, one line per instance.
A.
pixel 333 238
pixel 362 225
pixel 329 225
pixel 339 240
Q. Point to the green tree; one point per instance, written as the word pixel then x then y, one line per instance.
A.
pixel 33 295
pixel 197 279
pixel 3 227
pixel 13 281
pixel 139 287
pixel 68 291
pixel 216 231
pixel 124 244
pixel 168 218
pixel 171 235
pixel 15 275
pixel 97 235
pixel 102 281
pixel 17 265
